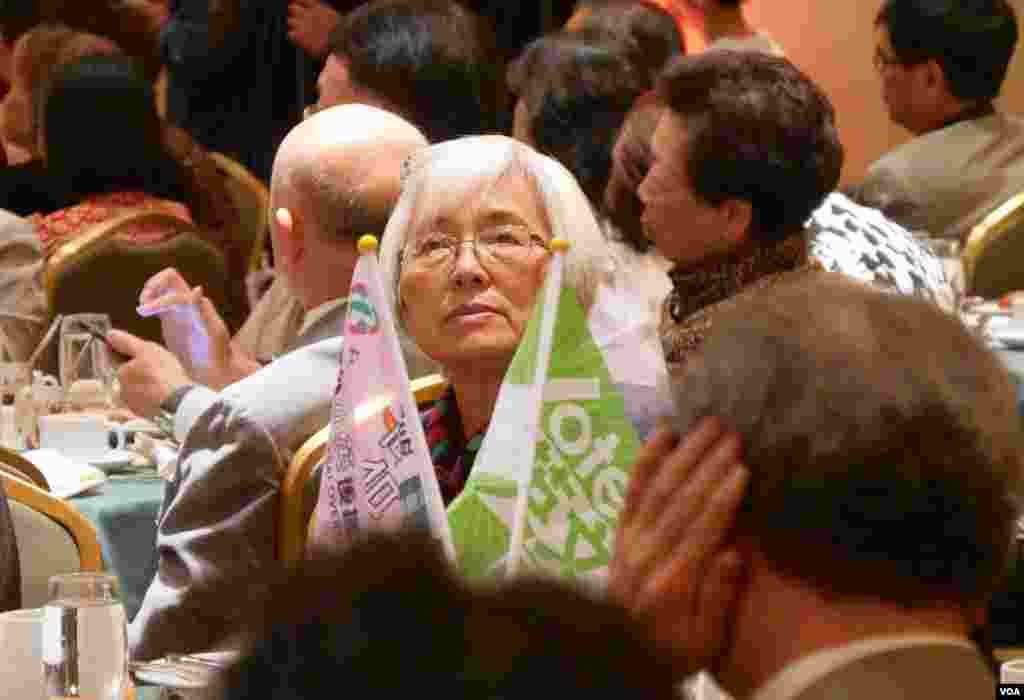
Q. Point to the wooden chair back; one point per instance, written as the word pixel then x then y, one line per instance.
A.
pixel 53 538
pixel 17 466
pixel 993 257
pixel 294 509
pixel 99 272
pixel 252 199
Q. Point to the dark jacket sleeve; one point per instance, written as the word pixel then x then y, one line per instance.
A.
pixel 199 45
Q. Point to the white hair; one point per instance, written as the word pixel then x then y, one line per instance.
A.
pixel 462 168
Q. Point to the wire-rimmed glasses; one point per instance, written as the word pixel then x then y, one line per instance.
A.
pixel 503 245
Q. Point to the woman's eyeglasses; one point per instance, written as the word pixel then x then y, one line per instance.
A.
pixel 505 245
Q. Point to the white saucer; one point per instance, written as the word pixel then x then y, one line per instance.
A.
pixel 89 483
pixel 114 459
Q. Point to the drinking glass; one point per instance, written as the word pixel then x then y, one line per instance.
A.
pixel 86 369
pixel 85 640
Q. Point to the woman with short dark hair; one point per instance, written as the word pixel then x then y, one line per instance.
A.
pixel 745 150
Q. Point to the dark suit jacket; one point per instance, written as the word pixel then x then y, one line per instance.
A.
pixel 239 90
pixel 10 571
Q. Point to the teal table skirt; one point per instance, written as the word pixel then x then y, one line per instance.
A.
pixel 124 512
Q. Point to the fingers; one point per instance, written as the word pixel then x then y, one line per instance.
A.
pixel 716 603
pixel 695 498
pixel 211 318
pixel 167 280
pixel 125 343
pixel 648 460
pixel 171 300
pixel 675 573
pixel 674 469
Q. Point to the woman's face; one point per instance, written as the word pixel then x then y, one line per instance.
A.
pixel 470 312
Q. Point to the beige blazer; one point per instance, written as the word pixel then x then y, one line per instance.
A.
pixel 946 181
pixel 940 672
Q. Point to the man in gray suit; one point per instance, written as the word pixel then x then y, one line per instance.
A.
pixel 336 177
pixel 838 530
pixel 942 65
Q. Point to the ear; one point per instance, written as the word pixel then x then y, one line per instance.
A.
pixel 291 243
pixel 736 216
pixel 934 78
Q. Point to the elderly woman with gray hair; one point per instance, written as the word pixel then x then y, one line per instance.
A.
pixel 463 258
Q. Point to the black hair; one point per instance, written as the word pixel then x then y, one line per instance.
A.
pixel 971 40
pixel 101 131
pixel 577 95
pixel 759 130
pixel 648 32
pixel 389 618
pixel 432 60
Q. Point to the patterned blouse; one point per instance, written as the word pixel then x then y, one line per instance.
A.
pixel 453 455
pixel 63 225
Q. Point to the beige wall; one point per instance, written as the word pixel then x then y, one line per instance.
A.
pixel 834 43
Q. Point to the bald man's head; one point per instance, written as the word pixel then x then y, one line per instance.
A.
pixel 340 170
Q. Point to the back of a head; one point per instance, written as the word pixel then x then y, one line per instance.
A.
pixel 882 438
pixel 344 166
pixel 649 32
pixel 101 132
pixel 47 47
pixel 972 40
pixel 389 619
pixel 758 130
pixel 577 95
pixel 432 61
pixel 117 21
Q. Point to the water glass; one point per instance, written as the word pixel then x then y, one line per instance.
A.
pixel 85 640
pixel 85 361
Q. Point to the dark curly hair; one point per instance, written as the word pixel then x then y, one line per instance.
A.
pixel 577 95
pixel 972 40
pixel 759 131
pixel 433 61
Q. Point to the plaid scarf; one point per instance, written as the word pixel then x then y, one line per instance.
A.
pixel 453 455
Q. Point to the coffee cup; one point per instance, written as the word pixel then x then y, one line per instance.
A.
pixel 79 435
pixel 21 663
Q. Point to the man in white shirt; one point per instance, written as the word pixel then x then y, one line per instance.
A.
pixel 942 65
pixel 838 526
pixel 336 177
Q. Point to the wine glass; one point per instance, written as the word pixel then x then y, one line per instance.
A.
pixel 86 369
pixel 85 639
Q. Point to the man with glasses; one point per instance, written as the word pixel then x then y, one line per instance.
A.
pixel 942 64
